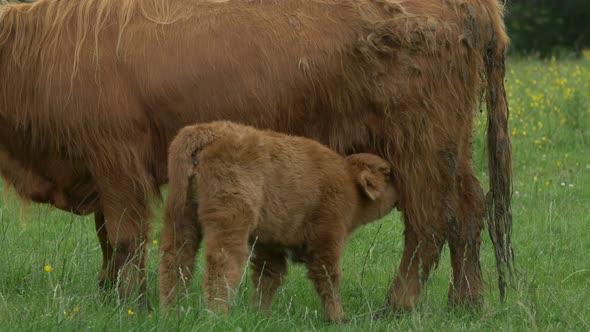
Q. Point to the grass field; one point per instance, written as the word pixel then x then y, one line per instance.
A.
pixel 49 260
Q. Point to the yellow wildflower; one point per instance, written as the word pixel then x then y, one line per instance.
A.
pixel 561 81
pixel 130 312
pixel 547 183
pixel 47 268
pixel 155 242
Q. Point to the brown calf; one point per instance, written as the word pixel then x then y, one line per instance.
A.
pixel 276 191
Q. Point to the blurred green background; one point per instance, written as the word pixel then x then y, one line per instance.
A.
pixel 548 27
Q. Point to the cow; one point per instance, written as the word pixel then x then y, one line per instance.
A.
pixel 92 93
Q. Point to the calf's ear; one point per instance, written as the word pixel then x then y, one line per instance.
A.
pixel 385 170
pixel 370 184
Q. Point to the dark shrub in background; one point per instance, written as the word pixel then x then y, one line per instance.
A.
pixel 548 27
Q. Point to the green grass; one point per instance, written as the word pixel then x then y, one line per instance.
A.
pixel 550 126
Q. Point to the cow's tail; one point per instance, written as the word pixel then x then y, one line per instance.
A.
pixel 499 151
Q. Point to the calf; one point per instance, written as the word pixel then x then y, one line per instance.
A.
pixel 236 185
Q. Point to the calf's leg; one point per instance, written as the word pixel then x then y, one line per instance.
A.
pixel 179 245
pixel 269 267
pixel 225 229
pixel 323 265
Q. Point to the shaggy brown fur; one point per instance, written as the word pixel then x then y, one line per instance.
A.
pixel 102 86
pixel 278 191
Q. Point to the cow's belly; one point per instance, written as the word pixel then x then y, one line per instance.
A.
pixel 55 182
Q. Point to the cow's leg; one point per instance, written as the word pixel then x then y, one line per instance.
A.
pixel 106 277
pixel 465 240
pixel 269 268
pixel 126 212
pixel 424 206
pixel 420 256
pixel 180 242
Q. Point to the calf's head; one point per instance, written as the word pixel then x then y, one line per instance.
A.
pixel 373 178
